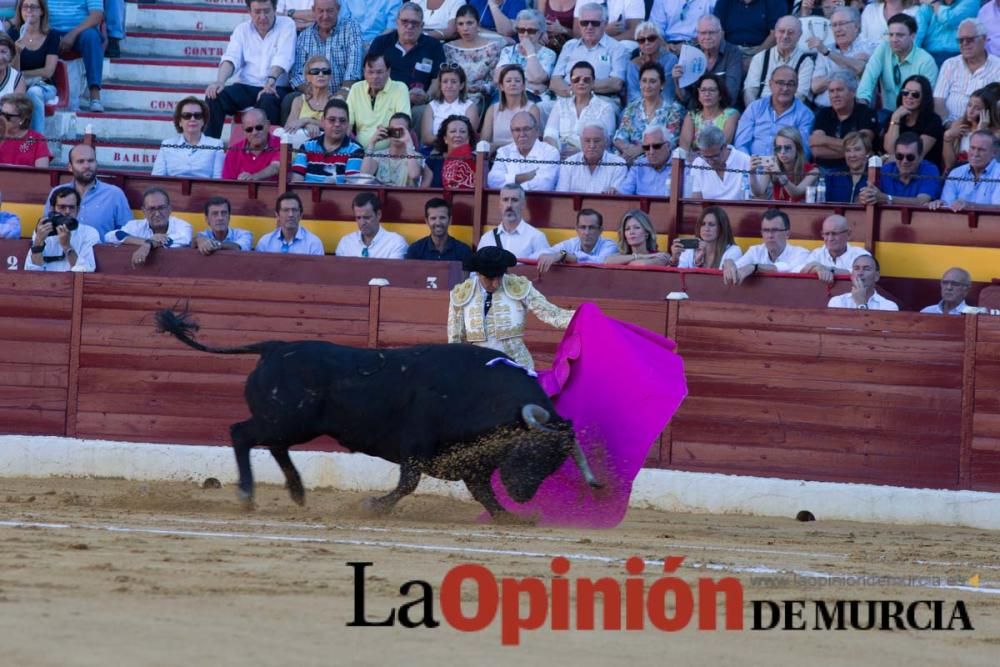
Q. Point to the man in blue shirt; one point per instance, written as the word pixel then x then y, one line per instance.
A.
pixel 375 17
pixel 976 183
pixel 759 124
pixel 749 25
pixel 104 206
pixel 289 236
pixel 909 180
pixel 587 247
pixel 650 174
pixel 440 245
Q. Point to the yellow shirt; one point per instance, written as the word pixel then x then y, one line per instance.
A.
pixel 366 118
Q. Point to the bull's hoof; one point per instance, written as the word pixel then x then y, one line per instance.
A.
pixel 375 507
pixel 246 501
pixel 299 497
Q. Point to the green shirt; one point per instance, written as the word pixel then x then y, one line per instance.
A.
pixel 366 118
pixel 885 68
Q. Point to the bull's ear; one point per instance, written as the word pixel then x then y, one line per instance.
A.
pixel 525 467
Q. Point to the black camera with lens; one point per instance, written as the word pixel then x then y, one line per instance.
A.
pixel 59 219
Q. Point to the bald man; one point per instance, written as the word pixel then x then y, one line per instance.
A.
pixel 836 255
pixel 955 285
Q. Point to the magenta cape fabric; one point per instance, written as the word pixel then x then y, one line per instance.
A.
pixel 619 384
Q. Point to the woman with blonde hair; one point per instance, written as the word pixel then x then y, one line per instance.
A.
pixel 785 175
pixel 714 235
pixel 637 242
pixel 305 118
pixel 513 98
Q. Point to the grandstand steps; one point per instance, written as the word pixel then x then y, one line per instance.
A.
pixel 185 16
pixel 128 96
pixel 152 70
pixel 186 44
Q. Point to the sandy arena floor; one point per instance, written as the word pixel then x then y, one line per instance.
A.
pixel 108 572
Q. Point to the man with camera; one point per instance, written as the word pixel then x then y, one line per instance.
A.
pixel 60 242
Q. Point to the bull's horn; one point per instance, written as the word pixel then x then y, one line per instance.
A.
pixel 581 463
pixel 536 416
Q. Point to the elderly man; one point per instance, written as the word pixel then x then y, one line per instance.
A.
pixel 374 17
pixel 261 53
pixel 955 284
pixel 289 236
pixel 412 57
pixel 909 180
pixel 536 60
pixel 844 115
pixel 60 242
pixel 774 254
pixel 976 183
pixel 750 25
pixel 760 122
pixel 513 162
pixel 836 255
pixel 606 55
pixel 219 235
pixel 159 229
pixel 722 59
pixel 331 156
pixel 679 21
pixel 966 73
pixel 785 52
pixel 103 205
pixel 620 18
pixel 850 52
pixel 439 245
pixel 593 170
pixel 719 170
pixel 371 239
pixel 335 37
pixel 587 247
pixel 864 275
pixel 650 173
pixel 513 233
pixel 76 24
pixel 372 102
pixel 256 157
pixel 894 61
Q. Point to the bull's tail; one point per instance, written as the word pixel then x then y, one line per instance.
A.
pixel 184 328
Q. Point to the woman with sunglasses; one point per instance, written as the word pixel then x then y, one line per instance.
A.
pixel 981 113
pixel 496 123
pixel 37 57
pixel 715 239
pixel 452 164
pixel 191 153
pixel 474 53
pixel 536 60
pixel 20 144
pixel 915 113
pixel 847 187
pixel 785 175
pixel 570 115
pixel 711 107
pixel 305 118
pixel 650 109
pixel 652 49
pixel 450 99
pixel 637 242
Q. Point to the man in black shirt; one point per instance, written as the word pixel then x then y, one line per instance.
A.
pixel 412 57
pixel 844 115
pixel 439 245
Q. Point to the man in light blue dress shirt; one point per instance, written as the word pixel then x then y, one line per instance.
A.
pixel 650 174
pixel 220 235
pixel 289 236
pixel 104 206
pixel 589 247
pixel 976 182
pixel 760 122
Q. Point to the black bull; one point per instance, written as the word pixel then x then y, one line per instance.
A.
pixel 433 409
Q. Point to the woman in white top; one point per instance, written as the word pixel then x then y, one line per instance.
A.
pixel 439 17
pixel 571 114
pixel 714 236
pixel 875 18
pixel 190 154
pixel 451 100
pixel 513 98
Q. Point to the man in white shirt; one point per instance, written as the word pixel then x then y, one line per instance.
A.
pixel 955 285
pixel 606 55
pixel 850 52
pixel 774 254
pixel 261 53
pixel 973 68
pixel 60 242
pixel 622 17
pixel 593 170
pixel 587 247
pixel 864 275
pixel 836 255
pixel 719 171
pixel 513 233
pixel 509 166
pixel 159 229
pixel 786 51
pixel 371 240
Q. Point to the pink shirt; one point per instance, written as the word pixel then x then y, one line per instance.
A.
pixel 239 160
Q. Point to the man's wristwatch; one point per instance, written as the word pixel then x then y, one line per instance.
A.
pixel 862 307
pixel 562 256
pixel 888 199
pixel 291 13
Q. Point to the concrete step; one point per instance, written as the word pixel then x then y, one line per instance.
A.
pixel 131 125
pixel 175 44
pixel 194 17
pixel 125 95
pixel 170 71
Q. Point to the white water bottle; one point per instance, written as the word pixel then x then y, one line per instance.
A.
pixel 821 190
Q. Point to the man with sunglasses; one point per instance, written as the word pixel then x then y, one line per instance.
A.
pixel 256 157
pixel 620 17
pixel 332 156
pixel 650 173
pixel 57 247
pixel 608 58
pixel 955 284
pixel 411 56
pixel 159 229
pixel 760 122
pixel 973 68
pixel 336 38
pixel 910 180
pixel 893 62
pixel 976 183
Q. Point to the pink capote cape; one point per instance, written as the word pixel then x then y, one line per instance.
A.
pixel 619 384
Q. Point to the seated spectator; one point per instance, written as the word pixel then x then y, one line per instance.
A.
pixel 372 102
pixel 513 233
pixel 724 60
pixel 439 17
pixel 77 27
pixel 499 16
pixel 513 100
pixel 955 284
pixel 909 180
pixel 371 239
pixel 299 11
pixel 594 169
pixel 606 56
pixel 965 73
pixel 649 109
pixel 513 161
pixel 876 16
pixel 711 106
pixel 60 242
pixel 976 183
pixel 981 113
pixel 37 57
pixel 621 19
pixel 401 164
pixel 439 245
pixel 190 154
pixel 637 242
pixel 305 117
pixel 570 114
pixel 261 53
pixel 785 175
pixel 848 55
pixel 256 157
pixel 847 187
pixel 587 247
pixel 535 59
pixel 844 116
pixel 159 229
pixel 716 245
pixel 475 54
pixel 749 25
pixel 10 224
pixel 652 49
pixel 21 145
pixel 785 53
pixel 559 21
pixel 374 17
pixel 774 254
pixel 103 205
pixel 915 113
pixel 989 14
pixel 719 170
pixel 864 275
pixel 893 62
pixel 452 164
pixel 941 24
pixel 760 122
pixel 413 57
pixel 815 16
pixel 650 173
pixel 331 156
pixel 449 99
pixel 289 235
pixel 334 37
pixel 836 256
pixel 679 21
pixel 219 235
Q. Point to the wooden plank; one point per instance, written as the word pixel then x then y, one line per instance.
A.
pixel 35 329
pixel 19 421
pixel 985 471
pixel 33 398
pixel 351 322
pixel 33 375
pixel 986 444
pixel 987 373
pixel 968 401
pixel 161 382
pixel 40 353
pixel 911 372
pixel 344 333
pixel 73 370
pixel 141 405
pixel 204 306
pixel 986 424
